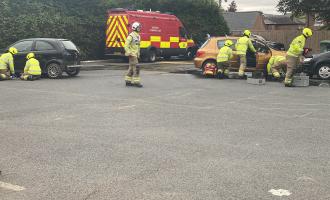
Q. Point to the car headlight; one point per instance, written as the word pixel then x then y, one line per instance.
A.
pixel 306 60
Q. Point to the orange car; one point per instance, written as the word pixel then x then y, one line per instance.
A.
pixel 206 56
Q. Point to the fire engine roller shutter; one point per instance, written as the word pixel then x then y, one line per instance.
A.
pixel 117 31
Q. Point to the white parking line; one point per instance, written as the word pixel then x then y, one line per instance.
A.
pixel 9 186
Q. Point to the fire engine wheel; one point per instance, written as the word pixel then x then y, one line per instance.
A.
pixel 74 71
pixel 54 71
pixel 151 57
pixel 190 54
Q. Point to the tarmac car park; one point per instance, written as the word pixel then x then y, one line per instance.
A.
pixel 55 55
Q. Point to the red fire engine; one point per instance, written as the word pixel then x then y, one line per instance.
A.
pixel 161 35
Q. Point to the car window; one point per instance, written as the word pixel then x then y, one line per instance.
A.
pixel 67 44
pixel 262 48
pixel 205 43
pixel 23 46
pixel 43 46
pixel 183 32
pixel 221 43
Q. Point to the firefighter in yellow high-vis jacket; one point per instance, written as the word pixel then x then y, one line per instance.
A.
pixel 294 54
pixel 132 50
pixel 32 70
pixel 223 59
pixel 7 64
pixel 242 45
pixel 275 65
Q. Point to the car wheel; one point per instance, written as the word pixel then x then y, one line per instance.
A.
pixel 54 70
pixel 73 71
pixel 323 71
pixel 151 57
pixel 208 63
pixel 190 54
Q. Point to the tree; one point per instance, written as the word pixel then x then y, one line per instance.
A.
pixel 232 7
pixel 306 7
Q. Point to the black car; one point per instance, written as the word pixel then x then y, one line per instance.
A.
pixel 55 56
pixel 318 65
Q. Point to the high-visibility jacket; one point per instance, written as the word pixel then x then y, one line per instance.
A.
pixel 297 46
pixel 132 45
pixel 274 60
pixel 243 44
pixel 7 61
pixel 32 67
pixel 225 54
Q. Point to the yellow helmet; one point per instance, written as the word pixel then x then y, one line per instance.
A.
pixel 13 50
pixel 229 43
pixel 29 56
pixel 247 33
pixel 307 32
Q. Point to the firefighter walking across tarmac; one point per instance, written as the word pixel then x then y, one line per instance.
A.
pixel 275 65
pixel 294 54
pixel 7 68
pixel 32 70
pixel 242 45
pixel 223 59
pixel 132 50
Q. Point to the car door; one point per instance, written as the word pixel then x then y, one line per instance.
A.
pixel 259 61
pixel 45 51
pixel 23 47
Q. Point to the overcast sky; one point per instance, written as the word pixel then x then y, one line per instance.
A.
pixel 266 6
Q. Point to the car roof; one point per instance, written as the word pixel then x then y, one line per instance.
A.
pixel 46 39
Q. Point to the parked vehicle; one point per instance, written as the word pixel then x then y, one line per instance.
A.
pixel 318 65
pixel 55 56
pixel 325 46
pixel 161 35
pixel 207 54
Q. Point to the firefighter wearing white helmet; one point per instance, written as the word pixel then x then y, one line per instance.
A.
pixel 223 59
pixel 132 50
pixel 242 45
pixel 7 64
pixel 32 70
pixel 294 54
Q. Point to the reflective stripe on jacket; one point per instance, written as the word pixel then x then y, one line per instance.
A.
pixel 225 54
pixel 132 44
pixel 297 46
pixel 32 67
pixel 7 61
pixel 243 44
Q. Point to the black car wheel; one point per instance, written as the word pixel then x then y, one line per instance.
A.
pixel 54 70
pixel 151 57
pixel 323 71
pixel 73 71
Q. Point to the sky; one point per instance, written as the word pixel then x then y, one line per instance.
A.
pixel 266 6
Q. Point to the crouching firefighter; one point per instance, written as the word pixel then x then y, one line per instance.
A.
pixel 7 64
pixel 275 65
pixel 132 50
pixel 223 59
pixel 32 70
pixel 294 55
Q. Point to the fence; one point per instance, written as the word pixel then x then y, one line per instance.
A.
pixel 286 36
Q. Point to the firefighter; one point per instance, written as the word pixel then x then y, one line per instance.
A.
pixel 32 70
pixel 7 64
pixel 132 50
pixel 224 57
pixel 294 54
pixel 242 45
pixel 275 64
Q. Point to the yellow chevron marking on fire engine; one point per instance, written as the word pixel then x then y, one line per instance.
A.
pixel 121 32
pixel 155 38
pixel 126 19
pixel 124 25
pixel 165 45
pixel 112 34
pixel 109 20
pixel 174 39
pixel 111 26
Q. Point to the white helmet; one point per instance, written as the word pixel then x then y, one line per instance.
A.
pixel 136 26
